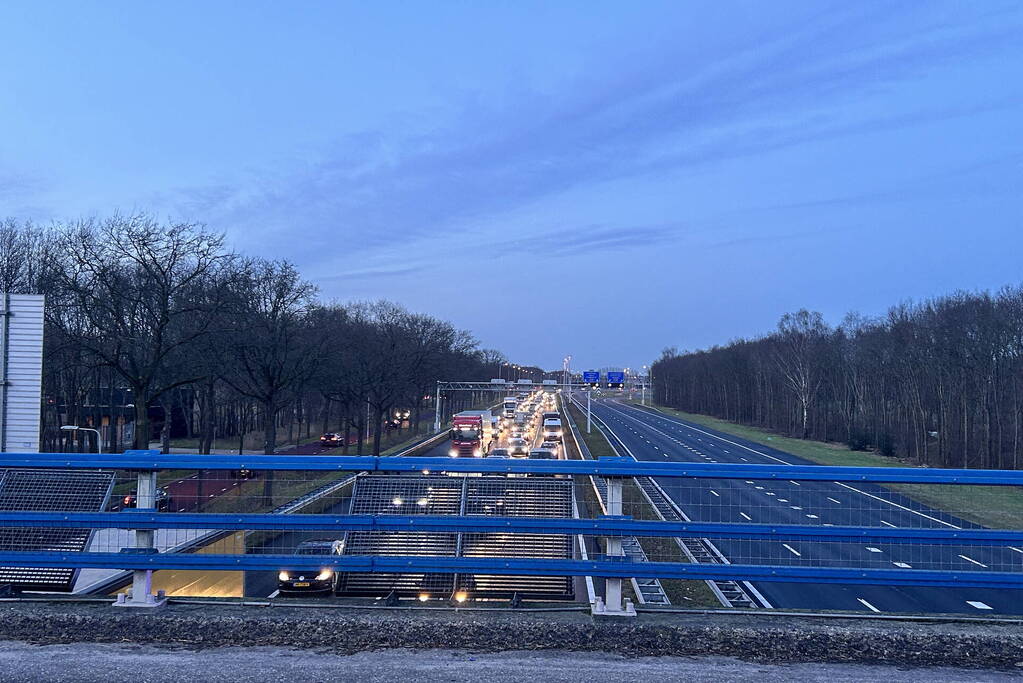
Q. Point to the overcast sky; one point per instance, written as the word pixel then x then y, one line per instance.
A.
pixel 586 178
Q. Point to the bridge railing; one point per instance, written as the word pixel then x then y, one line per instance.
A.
pixel 504 517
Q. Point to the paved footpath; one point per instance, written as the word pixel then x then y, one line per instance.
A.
pixel 106 662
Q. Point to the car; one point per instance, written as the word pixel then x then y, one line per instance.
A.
pixel 312 580
pixel 517 434
pixel 518 448
pixel 499 453
pixel 542 454
pixel 553 446
pixel 332 440
pixel 162 499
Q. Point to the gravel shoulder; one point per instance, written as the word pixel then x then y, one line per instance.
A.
pixel 83 662
pixel 347 631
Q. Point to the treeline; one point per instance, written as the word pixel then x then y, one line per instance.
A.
pixel 939 382
pixel 163 320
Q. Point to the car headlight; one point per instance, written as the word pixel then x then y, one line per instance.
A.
pixel 283 576
pixel 453 453
pixel 325 574
pixel 477 453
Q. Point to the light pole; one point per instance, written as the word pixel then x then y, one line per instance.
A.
pixel 646 372
pixel 76 428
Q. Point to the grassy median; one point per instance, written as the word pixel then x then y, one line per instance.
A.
pixel 680 592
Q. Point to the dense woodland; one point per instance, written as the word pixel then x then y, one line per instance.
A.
pixel 157 320
pixel 939 382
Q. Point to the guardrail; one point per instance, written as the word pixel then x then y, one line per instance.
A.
pixel 144 521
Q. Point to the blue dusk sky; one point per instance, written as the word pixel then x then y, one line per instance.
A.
pixel 601 179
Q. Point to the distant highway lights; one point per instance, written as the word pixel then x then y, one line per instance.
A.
pixel 76 428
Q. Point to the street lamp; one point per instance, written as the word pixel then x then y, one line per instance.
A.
pixel 76 428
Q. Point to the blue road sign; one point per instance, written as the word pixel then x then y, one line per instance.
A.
pixel 616 378
pixel 591 377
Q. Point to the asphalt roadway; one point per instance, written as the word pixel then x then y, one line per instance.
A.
pixel 653 436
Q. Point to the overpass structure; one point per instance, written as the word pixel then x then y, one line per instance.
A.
pixel 958 559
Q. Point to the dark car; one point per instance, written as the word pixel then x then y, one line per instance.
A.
pixel 312 580
pixel 162 499
pixel 332 440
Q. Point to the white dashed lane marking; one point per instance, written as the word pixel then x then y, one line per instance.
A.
pixel 970 559
pixel 867 605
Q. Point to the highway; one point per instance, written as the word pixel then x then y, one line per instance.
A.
pixel 652 436
pixel 264 584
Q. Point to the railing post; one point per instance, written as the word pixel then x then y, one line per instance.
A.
pixel 613 604
pixel 141 594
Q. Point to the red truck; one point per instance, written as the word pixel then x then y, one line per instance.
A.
pixel 471 434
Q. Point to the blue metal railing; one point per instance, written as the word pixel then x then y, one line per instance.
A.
pixel 603 526
pixel 607 467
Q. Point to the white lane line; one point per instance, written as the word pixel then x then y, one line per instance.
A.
pixel 768 493
pixel 795 507
pixel 970 559
pixel 795 482
pixel 867 605
pixel 791 550
pixel 715 493
pixel 759 488
pixel 889 524
pixel 978 604
pixel 893 504
pixel 743 459
pixel 783 500
pixel 813 516
pixel 746 517
pixel 903 565
pixel 873 550
pixel 274 594
pixel 836 502
pixel 1016 549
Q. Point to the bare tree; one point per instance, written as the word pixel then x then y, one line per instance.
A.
pixel 133 295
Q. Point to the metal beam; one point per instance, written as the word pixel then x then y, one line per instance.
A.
pixel 614 467
pixel 621 568
pixel 621 526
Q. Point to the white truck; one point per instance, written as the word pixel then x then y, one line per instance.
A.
pixel 511 403
pixel 552 429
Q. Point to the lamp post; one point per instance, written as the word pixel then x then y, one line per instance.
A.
pixel 76 428
pixel 645 380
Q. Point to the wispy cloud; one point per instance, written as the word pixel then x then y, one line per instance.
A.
pixel 681 111
pixel 589 238
pixel 371 274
